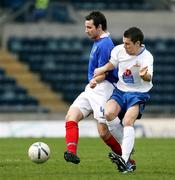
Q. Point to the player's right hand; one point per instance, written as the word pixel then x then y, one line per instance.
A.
pixel 93 83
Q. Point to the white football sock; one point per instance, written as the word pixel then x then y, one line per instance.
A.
pixel 128 142
pixel 116 129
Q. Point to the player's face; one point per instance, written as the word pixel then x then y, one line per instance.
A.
pixel 131 47
pixel 91 30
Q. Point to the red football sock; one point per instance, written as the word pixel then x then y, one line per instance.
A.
pixel 114 145
pixel 72 136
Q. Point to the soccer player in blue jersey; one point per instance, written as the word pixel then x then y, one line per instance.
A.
pixel 97 91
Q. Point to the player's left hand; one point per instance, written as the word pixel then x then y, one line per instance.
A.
pixel 143 71
pixel 93 83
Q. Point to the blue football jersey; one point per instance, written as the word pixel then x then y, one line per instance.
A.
pixel 99 56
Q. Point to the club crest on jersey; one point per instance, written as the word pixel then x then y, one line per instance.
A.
pixel 127 76
pixel 93 51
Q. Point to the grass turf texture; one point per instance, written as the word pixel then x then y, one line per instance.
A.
pixel 155 161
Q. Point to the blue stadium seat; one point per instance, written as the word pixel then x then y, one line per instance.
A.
pixel 15 98
pixel 59 12
pixel 7 80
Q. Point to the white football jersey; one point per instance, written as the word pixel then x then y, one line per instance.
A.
pixel 129 66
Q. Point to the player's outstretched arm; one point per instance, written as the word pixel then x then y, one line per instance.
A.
pixel 107 67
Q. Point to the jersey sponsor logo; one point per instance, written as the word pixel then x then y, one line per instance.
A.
pixel 128 77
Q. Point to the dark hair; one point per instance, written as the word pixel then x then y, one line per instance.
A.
pixel 98 19
pixel 135 34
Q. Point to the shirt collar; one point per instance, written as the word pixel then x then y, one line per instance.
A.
pixel 105 35
pixel 142 49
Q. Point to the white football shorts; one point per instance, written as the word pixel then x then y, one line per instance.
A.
pixel 94 100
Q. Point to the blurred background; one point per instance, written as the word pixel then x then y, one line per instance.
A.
pixel 44 57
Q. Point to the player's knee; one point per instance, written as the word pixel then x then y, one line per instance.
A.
pixel 109 115
pixel 73 115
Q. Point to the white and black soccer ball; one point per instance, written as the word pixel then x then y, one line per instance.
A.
pixel 39 152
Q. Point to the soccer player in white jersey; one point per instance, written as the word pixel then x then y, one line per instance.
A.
pixel 135 72
pixel 93 99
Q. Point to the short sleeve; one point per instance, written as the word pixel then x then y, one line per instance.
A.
pixel 149 62
pixel 114 56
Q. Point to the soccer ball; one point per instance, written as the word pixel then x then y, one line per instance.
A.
pixel 39 152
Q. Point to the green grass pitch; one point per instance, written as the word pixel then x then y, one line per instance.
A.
pixel 155 161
